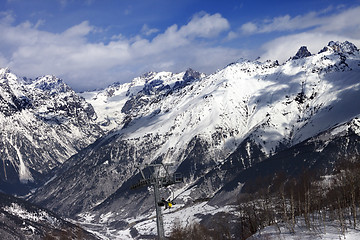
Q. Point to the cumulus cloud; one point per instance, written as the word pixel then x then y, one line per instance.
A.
pixel 283 23
pixel 249 28
pixel 332 22
pixel 31 52
pixel 205 25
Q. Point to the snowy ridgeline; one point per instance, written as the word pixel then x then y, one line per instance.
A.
pixel 276 105
pixel 22 213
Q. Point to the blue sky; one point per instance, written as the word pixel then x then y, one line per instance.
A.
pixel 93 43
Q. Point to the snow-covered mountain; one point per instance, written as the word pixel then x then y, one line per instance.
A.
pixel 43 122
pixel 118 104
pixel 211 128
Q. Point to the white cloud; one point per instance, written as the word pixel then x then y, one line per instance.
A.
pixel 3 60
pixel 347 22
pixel 334 22
pixel 205 25
pixel 286 23
pixel 28 51
pixel 39 23
pixel 7 17
pixel 249 28
pixel 80 30
pixel 31 52
pixel 283 23
pixel 231 35
pixel 148 31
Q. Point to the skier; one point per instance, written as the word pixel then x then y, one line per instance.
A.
pixel 167 204
pixel 170 203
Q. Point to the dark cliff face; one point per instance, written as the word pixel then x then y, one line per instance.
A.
pixel 302 53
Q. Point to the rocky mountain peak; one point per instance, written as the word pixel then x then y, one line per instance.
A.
pixel 345 47
pixel 191 74
pixel 302 53
pixel 340 47
pixel 51 83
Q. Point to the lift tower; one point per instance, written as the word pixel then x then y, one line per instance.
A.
pixel 158 181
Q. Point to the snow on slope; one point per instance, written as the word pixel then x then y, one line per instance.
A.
pixel 109 102
pixel 274 103
pixel 146 225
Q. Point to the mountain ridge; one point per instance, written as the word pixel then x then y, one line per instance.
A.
pixel 215 130
pixel 43 122
pixel 235 118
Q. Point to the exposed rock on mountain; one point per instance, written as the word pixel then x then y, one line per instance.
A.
pixel 338 47
pixel 302 53
pixel 43 122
